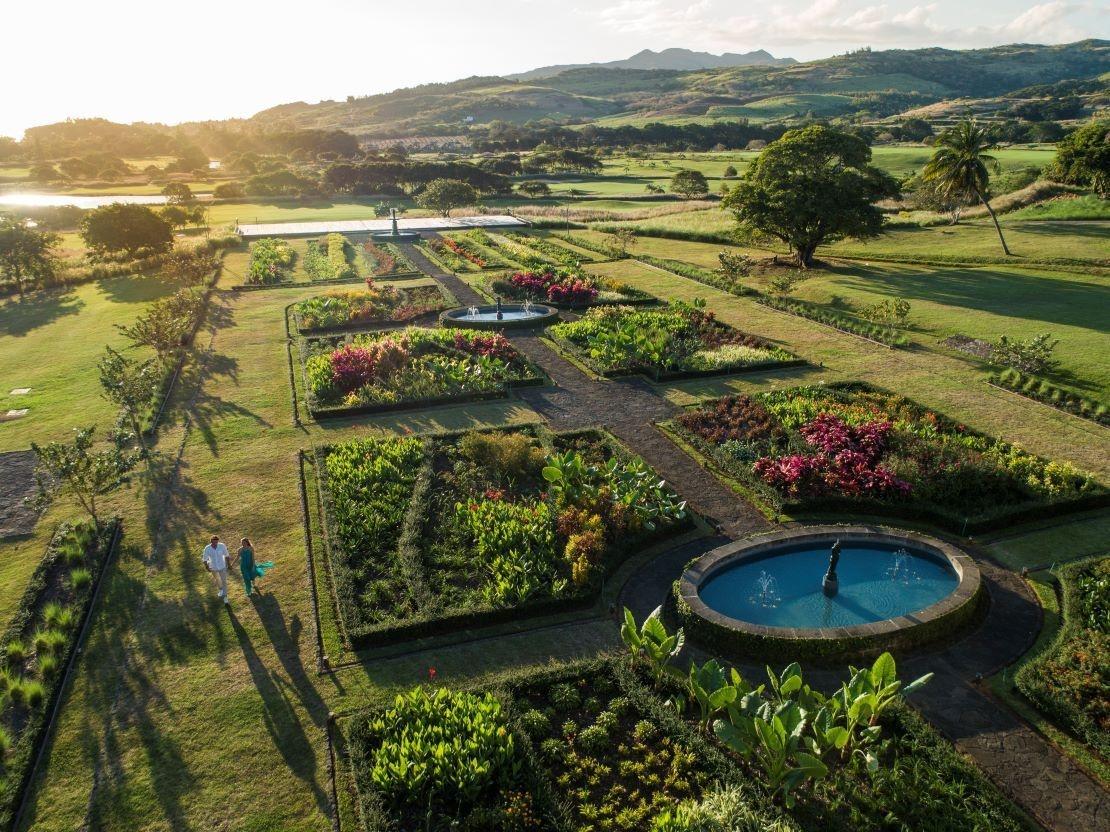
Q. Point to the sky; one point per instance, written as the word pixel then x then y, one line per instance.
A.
pixel 127 60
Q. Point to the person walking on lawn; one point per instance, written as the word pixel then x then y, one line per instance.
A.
pixel 215 559
pixel 251 571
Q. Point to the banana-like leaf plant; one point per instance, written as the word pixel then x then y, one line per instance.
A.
pixel 652 642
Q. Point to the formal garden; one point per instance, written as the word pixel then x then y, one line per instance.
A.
pixel 430 534
pixel 682 340
pixel 412 367
pixel 852 447
pixel 475 621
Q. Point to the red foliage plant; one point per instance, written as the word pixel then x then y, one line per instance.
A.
pixel 490 346
pixel 736 418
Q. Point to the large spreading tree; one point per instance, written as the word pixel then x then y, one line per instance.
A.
pixel 126 228
pixel 810 187
pixel 26 253
pixel 962 166
pixel 689 183
pixel 1083 158
pixel 444 194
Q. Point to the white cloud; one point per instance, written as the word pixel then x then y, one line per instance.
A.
pixel 713 24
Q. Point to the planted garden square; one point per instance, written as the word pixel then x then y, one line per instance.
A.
pixel 414 367
pixel 568 288
pixel 683 340
pixel 360 308
pixel 850 446
pixel 429 535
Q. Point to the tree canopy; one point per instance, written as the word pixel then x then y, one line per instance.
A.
pixel 1083 158
pixel 689 183
pixel 444 194
pixel 812 186
pixel 26 253
pixel 125 228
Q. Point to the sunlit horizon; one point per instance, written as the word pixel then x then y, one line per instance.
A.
pixel 221 61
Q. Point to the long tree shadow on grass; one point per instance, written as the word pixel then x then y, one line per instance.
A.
pixel 22 317
pixel 1011 294
pixel 280 718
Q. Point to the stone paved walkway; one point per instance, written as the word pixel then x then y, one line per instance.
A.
pixel 1032 772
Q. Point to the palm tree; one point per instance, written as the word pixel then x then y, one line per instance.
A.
pixel 961 166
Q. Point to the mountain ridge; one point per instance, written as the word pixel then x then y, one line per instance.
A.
pixel 673 58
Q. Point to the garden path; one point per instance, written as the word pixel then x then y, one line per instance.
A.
pixel 1045 782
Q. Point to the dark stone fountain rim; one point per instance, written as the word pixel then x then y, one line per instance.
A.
pixel 457 317
pixel 716 561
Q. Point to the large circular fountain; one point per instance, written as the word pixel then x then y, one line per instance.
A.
pixel 501 316
pixel 825 590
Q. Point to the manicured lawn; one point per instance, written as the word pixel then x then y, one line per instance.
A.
pixel 51 342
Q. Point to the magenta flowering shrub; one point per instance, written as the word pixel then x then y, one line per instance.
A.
pixel 832 435
pixel 354 367
pixel 351 367
pixel 555 287
pixel 846 462
pixel 489 346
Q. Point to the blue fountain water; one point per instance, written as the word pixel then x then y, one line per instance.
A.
pixel 783 588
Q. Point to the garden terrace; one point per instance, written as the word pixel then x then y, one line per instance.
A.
pixel 437 534
pixel 359 309
pixel 410 368
pixel 593 746
pixel 681 341
pixel 851 447
pixel 569 288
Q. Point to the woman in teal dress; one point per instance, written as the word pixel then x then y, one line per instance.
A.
pixel 251 571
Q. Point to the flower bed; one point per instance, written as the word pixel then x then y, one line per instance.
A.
pixel 38 646
pixel 568 289
pixel 1048 393
pixel 329 260
pixel 385 258
pixel 547 250
pixel 680 341
pixel 434 535
pixel 414 367
pixel 462 254
pixel 1070 682
pixel 595 746
pixel 849 446
pixel 270 261
pixel 377 304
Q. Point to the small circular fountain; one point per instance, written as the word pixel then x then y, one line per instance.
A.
pixel 501 316
pixel 828 590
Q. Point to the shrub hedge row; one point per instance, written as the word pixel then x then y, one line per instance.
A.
pixel 1046 392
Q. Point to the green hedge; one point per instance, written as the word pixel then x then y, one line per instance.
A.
pixel 1070 681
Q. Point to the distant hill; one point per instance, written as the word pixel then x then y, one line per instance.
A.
pixel 674 59
pixel 863 84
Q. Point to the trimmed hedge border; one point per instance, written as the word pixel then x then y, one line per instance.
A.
pixel 28 749
pixel 734 638
pixel 1026 679
pixel 408 541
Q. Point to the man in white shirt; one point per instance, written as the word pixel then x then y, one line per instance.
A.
pixel 215 561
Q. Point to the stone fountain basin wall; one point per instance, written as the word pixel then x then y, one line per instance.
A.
pixel 549 316
pixel 734 637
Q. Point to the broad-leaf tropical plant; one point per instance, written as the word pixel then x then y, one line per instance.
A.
pixel 651 642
